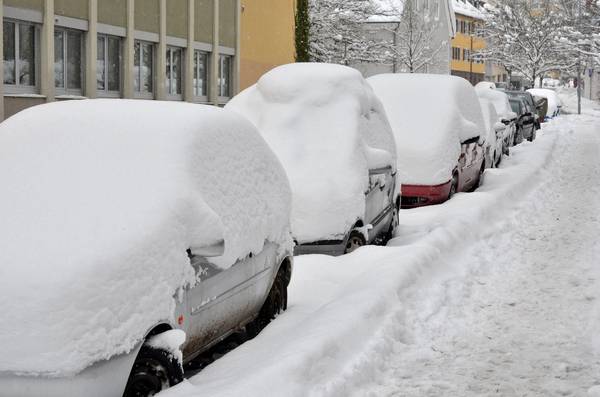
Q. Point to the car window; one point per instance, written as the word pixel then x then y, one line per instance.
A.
pixel 515 107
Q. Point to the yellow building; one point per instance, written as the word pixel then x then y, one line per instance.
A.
pixel 267 37
pixel 465 44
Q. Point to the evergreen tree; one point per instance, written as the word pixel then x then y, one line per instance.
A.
pixel 302 31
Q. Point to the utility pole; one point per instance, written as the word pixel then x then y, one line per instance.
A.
pixel 579 61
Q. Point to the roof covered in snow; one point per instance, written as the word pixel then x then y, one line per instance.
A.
pixel 498 98
pixel 464 7
pixel 328 128
pixel 100 201
pixel 430 116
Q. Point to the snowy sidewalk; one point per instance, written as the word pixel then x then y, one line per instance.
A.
pixel 522 320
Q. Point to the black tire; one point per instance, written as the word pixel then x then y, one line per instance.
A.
pixel 354 242
pixel 453 186
pixel 274 305
pixel 154 370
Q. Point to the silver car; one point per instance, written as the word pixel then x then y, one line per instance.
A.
pixel 124 226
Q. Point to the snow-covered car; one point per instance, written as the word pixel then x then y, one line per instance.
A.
pixel 333 138
pixel 526 119
pixel 505 114
pixel 554 102
pixel 494 139
pixel 440 132
pixel 135 234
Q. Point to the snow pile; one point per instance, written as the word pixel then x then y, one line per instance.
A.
pixel 430 116
pixel 328 129
pixel 464 7
pixel 553 100
pixel 499 99
pixel 100 201
pixel 345 318
pixel 568 97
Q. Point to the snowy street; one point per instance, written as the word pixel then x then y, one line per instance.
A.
pixel 492 293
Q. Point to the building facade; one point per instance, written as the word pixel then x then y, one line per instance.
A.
pixel 384 28
pixel 181 50
pixel 466 43
pixel 267 37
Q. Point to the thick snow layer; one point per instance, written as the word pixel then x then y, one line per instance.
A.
pixel 169 341
pixel 370 330
pixel 491 119
pixel 100 201
pixel 553 99
pixel 464 7
pixel 499 99
pixel 328 129
pixel 430 116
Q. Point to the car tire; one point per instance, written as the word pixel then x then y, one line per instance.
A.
pixel 154 370
pixel 355 240
pixel 275 304
pixel 453 186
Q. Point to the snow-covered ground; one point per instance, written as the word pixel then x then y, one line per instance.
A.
pixel 495 292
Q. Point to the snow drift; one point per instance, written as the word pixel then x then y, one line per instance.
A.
pixel 328 129
pixel 430 116
pixel 101 199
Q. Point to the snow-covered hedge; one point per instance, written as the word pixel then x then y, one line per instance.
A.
pixel 327 128
pixel 100 201
pixel 430 116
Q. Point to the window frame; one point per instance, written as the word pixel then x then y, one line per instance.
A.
pixel 225 98
pixel 106 93
pixel 196 71
pixel 17 88
pixel 169 70
pixel 59 91
pixel 139 93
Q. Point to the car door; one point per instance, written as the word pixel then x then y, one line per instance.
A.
pixel 223 299
pixel 379 200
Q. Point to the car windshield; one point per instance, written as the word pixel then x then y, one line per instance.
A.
pixel 514 104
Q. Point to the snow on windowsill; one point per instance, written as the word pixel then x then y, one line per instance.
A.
pixel 69 96
pixel 25 96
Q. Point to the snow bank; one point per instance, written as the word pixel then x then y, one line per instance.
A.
pixel 327 128
pixel 568 97
pixel 553 100
pixel 345 317
pixel 430 116
pixel 100 201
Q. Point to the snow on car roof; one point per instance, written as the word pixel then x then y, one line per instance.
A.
pixel 100 201
pixel 430 116
pixel 327 128
pixel 551 95
pixel 498 98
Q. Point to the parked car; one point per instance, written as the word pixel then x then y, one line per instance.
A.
pixel 494 139
pixel 528 98
pixel 504 111
pixel 332 136
pixel 440 132
pixel 554 102
pixel 525 120
pixel 135 234
pixel 541 106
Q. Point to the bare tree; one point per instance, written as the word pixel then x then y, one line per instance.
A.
pixel 414 45
pixel 528 37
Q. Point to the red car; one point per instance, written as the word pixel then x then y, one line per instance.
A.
pixel 439 129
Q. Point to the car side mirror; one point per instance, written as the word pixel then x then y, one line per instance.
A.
pixel 209 251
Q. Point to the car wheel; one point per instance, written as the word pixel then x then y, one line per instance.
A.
pixel 154 370
pixel 355 241
pixel 275 304
pixel 453 186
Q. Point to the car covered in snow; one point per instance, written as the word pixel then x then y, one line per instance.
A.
pixel 333 138
pixel 440 134
pixel 494 139
pixel 504 112
pixel 526 119
pixel 135 235
pixel 554 102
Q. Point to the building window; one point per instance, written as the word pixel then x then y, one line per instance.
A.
pixel 108 65
pixel 225 62
pixel 20 45
pixel 174 62
pixel 68 52
pixel 456 52
pixel 200 73
pixel 143 67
